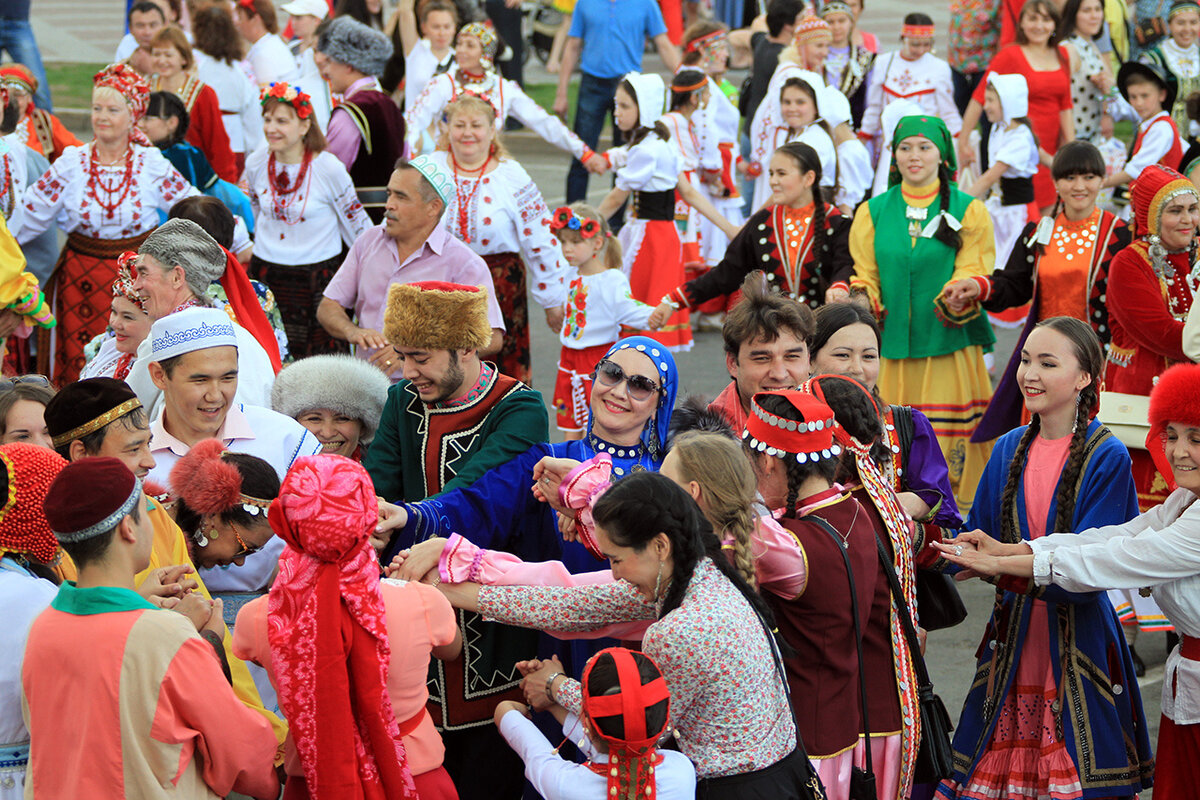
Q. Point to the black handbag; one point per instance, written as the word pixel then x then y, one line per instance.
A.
pixel 862 781
pixel 935 757
pixel 938 600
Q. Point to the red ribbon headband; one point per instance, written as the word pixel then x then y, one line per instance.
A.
pixel 630 703
pixel 708 40
pixel 917 31
pixel 810 439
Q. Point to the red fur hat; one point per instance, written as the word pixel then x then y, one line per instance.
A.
pixel 205 482
pixel 1173 399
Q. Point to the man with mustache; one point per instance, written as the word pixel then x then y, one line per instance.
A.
pixel 411 245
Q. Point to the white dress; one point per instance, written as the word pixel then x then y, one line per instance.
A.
pixel 717 125
pixel 23 597
pixel 1017 148
pixel 325 203
pixel 506 214
pixel 238 98
pixel 768 130
pixel 651 165
pixel 685 137
pixel 854 173
pixel 508 98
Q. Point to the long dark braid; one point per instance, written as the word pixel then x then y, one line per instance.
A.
pixel 818 226
pixel 945 234
pixel 1009 532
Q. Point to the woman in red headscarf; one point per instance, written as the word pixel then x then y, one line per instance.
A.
pixel 106 195
pixel 347 653
pixel 1150 288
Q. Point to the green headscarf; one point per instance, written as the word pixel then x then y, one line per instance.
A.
pixel 933 129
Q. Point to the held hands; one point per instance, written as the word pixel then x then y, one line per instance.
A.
pixel 960 294
pixel 566 526
pixel 507 706
pixel 203 613
pixel 419 562
pixel 534 682
pixel 167 582
pixel 836 294
pixel 660 315
pixel 367 338
pixel 978 553
pixel 391 518
pixel 595 164
pixel 548 475
pixel 387 359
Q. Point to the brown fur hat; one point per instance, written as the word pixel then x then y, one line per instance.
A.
pixel 433 315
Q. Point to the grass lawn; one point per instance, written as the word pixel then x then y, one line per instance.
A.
pixel 71 83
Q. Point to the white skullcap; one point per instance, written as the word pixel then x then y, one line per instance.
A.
pixel 190 330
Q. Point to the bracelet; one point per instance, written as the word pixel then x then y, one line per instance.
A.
pixel 666 298
pixel 550 685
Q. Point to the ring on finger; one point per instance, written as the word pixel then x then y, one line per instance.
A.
pixel 958 551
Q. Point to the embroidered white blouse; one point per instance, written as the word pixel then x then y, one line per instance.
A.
pixel 309 225
pixel 507 214
pixel 597 306
pixel 64 196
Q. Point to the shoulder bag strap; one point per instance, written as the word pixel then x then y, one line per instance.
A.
pixel 910 631
pixel 906 431
pixel 862 680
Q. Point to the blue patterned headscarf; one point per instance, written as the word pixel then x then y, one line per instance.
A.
pixel 654 437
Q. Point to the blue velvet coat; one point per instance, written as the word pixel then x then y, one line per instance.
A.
pixel 1100 706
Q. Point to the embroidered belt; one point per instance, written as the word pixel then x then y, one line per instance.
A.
pixel 1016 191
pixel 654 205
pixel 14 756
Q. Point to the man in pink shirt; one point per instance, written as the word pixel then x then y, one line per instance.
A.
pixel 152 715
pixel 410 246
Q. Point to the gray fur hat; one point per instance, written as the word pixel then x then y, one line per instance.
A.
pixel 357 46
pixel 343 384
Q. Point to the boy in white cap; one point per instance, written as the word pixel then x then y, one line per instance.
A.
pixel 195 365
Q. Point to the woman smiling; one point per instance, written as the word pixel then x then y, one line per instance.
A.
pixel 1157 549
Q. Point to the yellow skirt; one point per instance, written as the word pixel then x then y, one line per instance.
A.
pixel 952 391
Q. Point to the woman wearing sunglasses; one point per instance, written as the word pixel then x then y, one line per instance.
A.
pixel 223 501
pixel 630 405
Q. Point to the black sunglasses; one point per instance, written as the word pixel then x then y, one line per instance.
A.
pixel 610 373
pixel 7 384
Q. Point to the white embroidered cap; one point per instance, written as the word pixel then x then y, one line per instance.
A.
pixel 190 330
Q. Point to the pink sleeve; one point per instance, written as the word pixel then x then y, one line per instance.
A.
pixel 580 490
pixel 235 746
pixel 462 561
pixel 342 138
pixel 250 633
pixel 780 563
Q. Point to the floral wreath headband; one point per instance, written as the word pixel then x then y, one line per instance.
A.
pixel 564 217
pixel 282 92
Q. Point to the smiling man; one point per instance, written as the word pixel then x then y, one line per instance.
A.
pixel 195 365
pixel 766 347
pixel 453 417
pixel 411 245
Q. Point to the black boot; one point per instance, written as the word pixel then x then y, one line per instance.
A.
pixel 1139 666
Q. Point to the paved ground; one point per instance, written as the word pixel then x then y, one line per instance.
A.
pixel 76 30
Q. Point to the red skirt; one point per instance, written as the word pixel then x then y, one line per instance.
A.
pixel 657 268
pixel 80 293
pixel 573 386
pixel 508 276
pixel 1177 761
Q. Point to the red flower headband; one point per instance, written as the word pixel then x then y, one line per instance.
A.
pixel 282 92
pixel 564 217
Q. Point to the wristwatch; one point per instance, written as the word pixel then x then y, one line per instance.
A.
pixel 550 685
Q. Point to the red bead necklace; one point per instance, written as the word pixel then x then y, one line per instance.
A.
pixel 121 189
pixel 464 203
pixel 283 192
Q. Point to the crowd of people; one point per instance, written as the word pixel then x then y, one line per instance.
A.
pixel 282 513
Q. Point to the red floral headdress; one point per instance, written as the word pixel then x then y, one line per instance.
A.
pixel 707 40
pixel 123 285
pixel 129 83
pixel 564 217
pixel 282 92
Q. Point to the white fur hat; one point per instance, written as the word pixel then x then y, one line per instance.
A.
pixel 342 384
pixel 349 41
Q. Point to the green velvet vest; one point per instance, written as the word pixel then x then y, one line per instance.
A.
pixel 911 276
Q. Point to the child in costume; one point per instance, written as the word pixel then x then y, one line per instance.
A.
pixel 1012 163
pixel 1033 725
pixel 798 100
pixel 800 241
pixel 649 168
pixel 626 708
pixel 1179 56
pixel 599 302
pixel 689 95
pixel 1151 91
